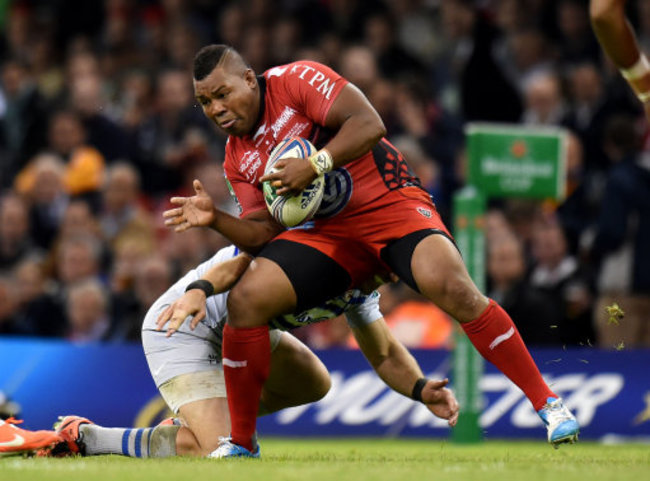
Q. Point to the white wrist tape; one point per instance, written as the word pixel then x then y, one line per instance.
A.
pixel 322 162
pixel 638 70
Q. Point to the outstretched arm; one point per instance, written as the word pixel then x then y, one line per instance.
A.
pixel 250 234
pixel 616 36
pixel 400 371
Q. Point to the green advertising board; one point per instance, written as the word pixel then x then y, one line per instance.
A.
pixel 516 161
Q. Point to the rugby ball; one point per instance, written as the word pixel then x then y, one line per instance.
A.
pixel 292 210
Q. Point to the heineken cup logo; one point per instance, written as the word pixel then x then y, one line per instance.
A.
pixel 518 149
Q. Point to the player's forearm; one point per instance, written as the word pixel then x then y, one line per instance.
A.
pixel 399 370
pixel 224 275
pixel 614 31
pixel 250 235
pixel 389 358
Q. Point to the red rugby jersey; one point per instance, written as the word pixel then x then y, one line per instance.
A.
pixel 296 99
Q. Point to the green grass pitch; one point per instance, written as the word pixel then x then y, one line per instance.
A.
pixel 357 460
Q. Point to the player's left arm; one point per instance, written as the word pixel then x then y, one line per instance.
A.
pixel 401 372
pixel 358 128
pixel 618 39
pixel 220 278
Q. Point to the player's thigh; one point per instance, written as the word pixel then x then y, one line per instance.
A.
pixel 207 420
pixel 297 376
pixel 262 293
pixel 441 275
pixel 429 262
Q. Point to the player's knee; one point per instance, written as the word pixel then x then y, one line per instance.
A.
pixel 321 386
pixel 244 308
pixel 458 296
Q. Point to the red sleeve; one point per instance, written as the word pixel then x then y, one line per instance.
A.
pixel 247 196
pixel 311 86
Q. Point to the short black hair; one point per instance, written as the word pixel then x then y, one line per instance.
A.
pixel 207 59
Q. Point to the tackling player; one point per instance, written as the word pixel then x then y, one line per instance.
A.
pixel 188 372
pixel 618 40
pixel 375 216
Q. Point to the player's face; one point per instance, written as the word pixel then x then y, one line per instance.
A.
pixel 230 100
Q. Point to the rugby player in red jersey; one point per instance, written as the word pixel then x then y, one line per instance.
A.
pixel 374 216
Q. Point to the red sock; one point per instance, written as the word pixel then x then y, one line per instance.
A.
pixel 495 336
pixel 246 365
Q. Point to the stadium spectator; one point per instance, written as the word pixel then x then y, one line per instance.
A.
pixel 621 239
pixel 469 58
pixel 360 65
pixel 78 259
pixel 543 100
pixel 39 312
pixel 164 139
pixel 392 60
pixel 87 99
pixel 121 215
pixel 576 42
pixel 533 311
pixel 557 273
pixel 86 309
pixel 23 122
pixel 48 199
pixel 84 165
pixel 152 276
pixel 15 241
pixel 8 306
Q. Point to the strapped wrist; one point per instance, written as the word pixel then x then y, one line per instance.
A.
pixel 638 76
pixel 639 70
pixel 416 394
pixel 202 284
pixel 322 162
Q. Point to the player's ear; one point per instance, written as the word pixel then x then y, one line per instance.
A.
pixel 250 79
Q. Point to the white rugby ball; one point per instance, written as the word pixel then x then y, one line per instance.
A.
pixel 293 210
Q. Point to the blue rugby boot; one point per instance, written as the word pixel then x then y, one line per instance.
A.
pixel 228 449
pixel 561 424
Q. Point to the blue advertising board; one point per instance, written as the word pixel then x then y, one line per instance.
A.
pixel 609 391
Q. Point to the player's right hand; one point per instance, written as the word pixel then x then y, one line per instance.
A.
pixel 191 304
pixel 195 211
pixel 441 401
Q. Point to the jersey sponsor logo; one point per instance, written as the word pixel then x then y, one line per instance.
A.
pixel 250 163
pixel 425 212
pixel 338 190
pixel 282 121
pixel 297 130
pixel 324 85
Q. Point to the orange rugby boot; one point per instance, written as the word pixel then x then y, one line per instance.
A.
pixel 67 427
pixel 14 440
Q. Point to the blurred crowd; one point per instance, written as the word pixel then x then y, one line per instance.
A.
pixel 99 128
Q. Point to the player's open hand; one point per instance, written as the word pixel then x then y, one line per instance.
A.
pixel 195 211
pixel 191 304
pixel 292 177
pixel 441 400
